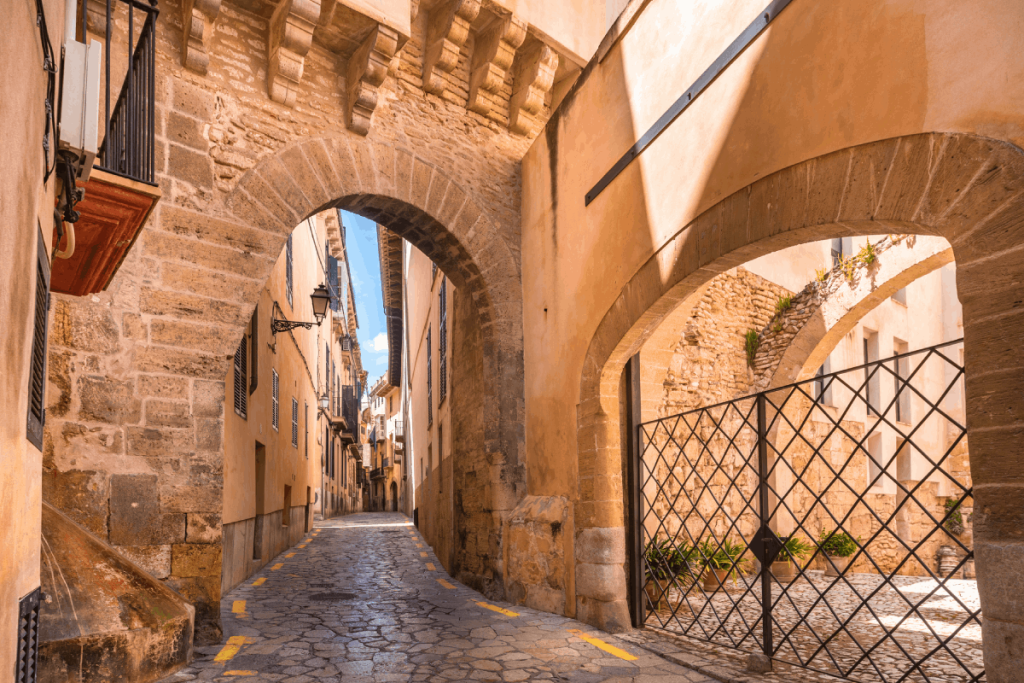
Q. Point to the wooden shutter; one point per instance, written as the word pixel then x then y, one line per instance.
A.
pixel 288 270
pixel 241 378
pixel 37 370
pixel 430 400
pixel 275 401
pixel 254 367
pixel 332 282
pixel 295 423
pixel 442 370
pixel 305 416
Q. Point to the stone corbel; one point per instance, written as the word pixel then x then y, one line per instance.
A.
pixel 447 30
pixel 533 76
pixel 492 56
pixel 291 34
pixel 199 16
pixel 367 68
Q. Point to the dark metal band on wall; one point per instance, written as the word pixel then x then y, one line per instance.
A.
pixel 734 50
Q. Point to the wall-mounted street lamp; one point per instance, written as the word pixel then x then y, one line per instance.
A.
pixel 321 299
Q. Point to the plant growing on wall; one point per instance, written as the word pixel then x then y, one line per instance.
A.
pixel 867 255
pixel 954 523
pixel 820 274
pixel 837 543
pixel 848 266
pixel 751 343
pixel 783 304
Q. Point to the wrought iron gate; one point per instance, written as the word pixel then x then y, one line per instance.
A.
pixel 870 463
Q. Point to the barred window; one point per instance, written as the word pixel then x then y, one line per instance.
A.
pixel 37 372
pixel 241 378
pixel 442 379
pixel 275 404
pixel 288 271
pixel 295 423
pixel 430 399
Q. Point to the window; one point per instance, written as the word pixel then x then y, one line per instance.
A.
pixel 288 271
pixel 305 417
pixel 440 456
pixel 901 389
pixel 900 296
pixel 295 423
pixel 28 636
pixel 823 385
pixel 275 403
pixel 430 399
pixel 286 512
pixel 433 271
pixel 254 368
pixel 837 251
pixel 442 379
pixel 241 379
pixel 875 463
pixel 37 371
pixel 872 393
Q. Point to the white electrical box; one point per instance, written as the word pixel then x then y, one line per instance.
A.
pixel 80 103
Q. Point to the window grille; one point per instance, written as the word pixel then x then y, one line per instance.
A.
pixel 241 379
pixel 37 373
pixel 288 271
pixel 28 637
pixel 442 377
pixel 275 404
pixel 430 399
pixel 254 368
pixel 295 423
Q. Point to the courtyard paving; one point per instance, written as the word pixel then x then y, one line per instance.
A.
pixel 364 599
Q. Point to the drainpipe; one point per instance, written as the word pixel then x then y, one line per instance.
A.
pixel 70 21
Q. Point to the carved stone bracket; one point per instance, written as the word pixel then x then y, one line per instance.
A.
pixel 533 76
pixel 367 68
pixel 447 30
pixel 198 19
pixel 492 56
pixel 291 34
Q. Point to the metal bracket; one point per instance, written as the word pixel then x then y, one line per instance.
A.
pixel 288 325
pixel 769 548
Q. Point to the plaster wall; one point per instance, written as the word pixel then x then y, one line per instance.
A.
pixel 27 206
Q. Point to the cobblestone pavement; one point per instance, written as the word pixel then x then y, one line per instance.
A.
pixel 366 600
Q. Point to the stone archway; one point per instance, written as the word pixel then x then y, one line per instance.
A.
pixel 137 373
pixel 967 189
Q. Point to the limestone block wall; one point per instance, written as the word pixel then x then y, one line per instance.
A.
pixel 136 375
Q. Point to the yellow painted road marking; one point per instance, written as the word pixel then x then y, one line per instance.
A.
pixel 238 607
pixel 430 566
pixel 499 610
pixel 601 645
pixel 260 581
pixel 240 673
pixel 445 584
pixel 289 556
pixel 307 540
pixel 423 554
pixel 235 644
pixel 277 566
pixel 419 545
pixel 302 546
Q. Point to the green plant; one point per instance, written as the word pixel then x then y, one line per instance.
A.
pixel 751 342
pixel 848 266
pixel 724 556
pixel 666 559
pixel 783 304
pixel 954 518
pixel 795 548
pixel 867 255
pixel 837 543
pixel 820 274
pixel 777 327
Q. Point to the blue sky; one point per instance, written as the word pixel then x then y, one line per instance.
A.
pixel 361 242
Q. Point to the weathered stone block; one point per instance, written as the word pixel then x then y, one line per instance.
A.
pixel 604 582
pixel 601 546
pixel 160 441
pixel 208 399
pixel 209 434
pixel 135 516
pixel 192 100
pixel 194 560
pixel 203 527
pixel 161 386
pixel 208 338
pixel 83 326
pixel 190 499
pixel 81 495
pixel 155 559
pixel 186 131
pixel 164 413
pixel 108 400
pixel 190 166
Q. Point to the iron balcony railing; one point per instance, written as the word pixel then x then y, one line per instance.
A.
pixel 386 462
pixel 128 30
pixel 377 473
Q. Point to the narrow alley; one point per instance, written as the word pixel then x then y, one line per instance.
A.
pixel 363 598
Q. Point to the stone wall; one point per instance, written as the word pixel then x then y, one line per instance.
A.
pixel 136 373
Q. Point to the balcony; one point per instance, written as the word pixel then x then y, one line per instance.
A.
pixel 121 191
pixel 399 433
pixel 377 473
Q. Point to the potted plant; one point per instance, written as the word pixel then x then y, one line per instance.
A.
pixel 838 546
pixel 794 549
pixel 664 561
pixel 720 562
